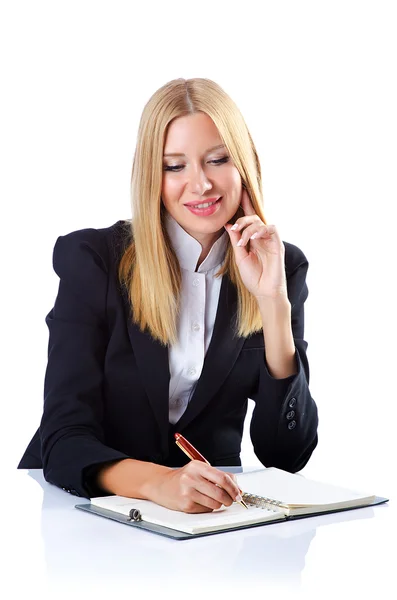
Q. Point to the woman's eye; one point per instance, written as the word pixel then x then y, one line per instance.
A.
pixel 177 167
pixel 218 161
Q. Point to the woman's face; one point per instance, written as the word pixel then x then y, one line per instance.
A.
pixel 199 172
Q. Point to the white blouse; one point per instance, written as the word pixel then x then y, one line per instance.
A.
pixel 199 302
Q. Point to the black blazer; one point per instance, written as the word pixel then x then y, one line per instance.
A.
pixel 106 384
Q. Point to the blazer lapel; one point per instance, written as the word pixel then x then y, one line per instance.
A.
pixel 152 362
pixel 221 355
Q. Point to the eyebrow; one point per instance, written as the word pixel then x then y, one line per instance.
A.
pixel 181 154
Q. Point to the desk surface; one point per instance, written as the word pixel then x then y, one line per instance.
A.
pixel 56 551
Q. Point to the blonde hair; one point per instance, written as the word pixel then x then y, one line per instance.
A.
pixel 149 267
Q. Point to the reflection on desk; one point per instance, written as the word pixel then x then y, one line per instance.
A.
pixel 98 551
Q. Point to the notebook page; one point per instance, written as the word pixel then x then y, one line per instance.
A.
pixel 231 516
pixel 294 489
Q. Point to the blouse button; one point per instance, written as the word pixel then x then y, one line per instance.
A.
pixel 196 327
pixel 196 282
pixel 191 371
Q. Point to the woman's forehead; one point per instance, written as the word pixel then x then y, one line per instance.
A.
pixel 191 131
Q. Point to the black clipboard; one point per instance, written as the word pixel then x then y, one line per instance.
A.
pixel 182 535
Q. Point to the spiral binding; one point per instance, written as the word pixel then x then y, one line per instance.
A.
pixel 262 502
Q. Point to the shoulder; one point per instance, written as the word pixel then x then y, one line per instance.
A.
pixel 86 261
pixel 102 247
pixel 294 258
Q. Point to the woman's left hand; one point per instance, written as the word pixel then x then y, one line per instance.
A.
pixel 262 266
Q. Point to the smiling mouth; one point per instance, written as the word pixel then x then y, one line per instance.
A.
pixel 204 204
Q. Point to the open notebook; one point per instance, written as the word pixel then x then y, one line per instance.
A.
pixel 272 495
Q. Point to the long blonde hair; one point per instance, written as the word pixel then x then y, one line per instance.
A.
pixel 149 267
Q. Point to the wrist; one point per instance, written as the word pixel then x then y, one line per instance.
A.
pixel 274 310
pixel 151 486
pixel 131 478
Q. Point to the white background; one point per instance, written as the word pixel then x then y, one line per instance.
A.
pixel 316 83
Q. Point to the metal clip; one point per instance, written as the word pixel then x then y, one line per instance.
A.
pixel 135 515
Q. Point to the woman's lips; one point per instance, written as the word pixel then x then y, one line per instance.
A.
pixel 206 201
pixel 205 212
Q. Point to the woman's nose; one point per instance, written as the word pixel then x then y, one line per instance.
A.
pixel 199 182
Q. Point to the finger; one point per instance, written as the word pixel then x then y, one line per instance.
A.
pixel 207 473
pixel 239 251
pixel 195 504
pixel 206 502
pixel 256 231
pixel 246 203
pixel 213 495
pixel 197 494
pixel 235 485
pixel 233 476
pixel 248 232
pixel 224 481
pixel 243 222
pixel 264 231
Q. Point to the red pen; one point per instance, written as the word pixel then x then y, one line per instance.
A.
pixel 194 454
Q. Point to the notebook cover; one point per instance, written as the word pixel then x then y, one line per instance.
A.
pixel 164 531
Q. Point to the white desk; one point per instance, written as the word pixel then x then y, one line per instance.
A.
pixel 55 551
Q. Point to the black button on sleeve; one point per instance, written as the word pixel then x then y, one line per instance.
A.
pixel 290 415
pixel 292 425
pixel 292 402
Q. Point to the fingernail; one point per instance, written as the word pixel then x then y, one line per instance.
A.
pixel 240 242
pixel 238 498
pixel 235 226
pixel 254 236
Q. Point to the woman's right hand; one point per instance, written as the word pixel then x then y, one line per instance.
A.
pixel 195 488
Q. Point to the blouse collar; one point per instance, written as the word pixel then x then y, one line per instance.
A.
pixel 188 249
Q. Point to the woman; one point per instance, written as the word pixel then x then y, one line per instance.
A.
pixel 170 322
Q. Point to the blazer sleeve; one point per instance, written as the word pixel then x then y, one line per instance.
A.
pixel 71 433
pixel 284 420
